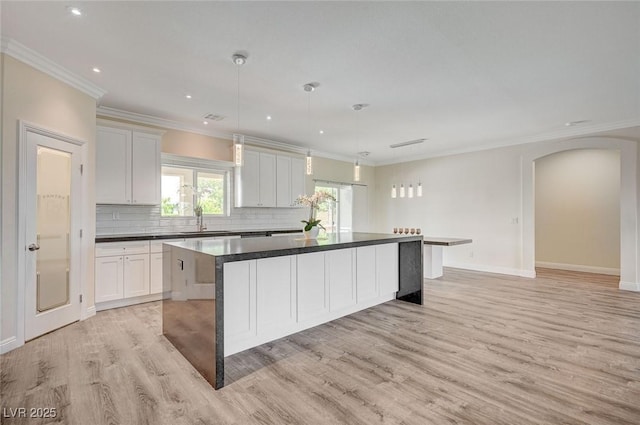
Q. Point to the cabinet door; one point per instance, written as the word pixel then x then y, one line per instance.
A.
pixel 276 293
pixel 109 278
pixel 267 180
pixel 155 266
pixel 136 275
pixel 367 285
pixel 387 268
pixel 313 292
pixel 113 166
pixel 239 301
pixel 247 180
pixel 341 275
pixel 297 179
pixel 283 181
pixel 145 169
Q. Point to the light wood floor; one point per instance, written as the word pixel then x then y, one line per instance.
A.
pixel 485 349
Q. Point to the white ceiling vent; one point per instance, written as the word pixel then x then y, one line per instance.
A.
pixel 409 143
pixel 214 117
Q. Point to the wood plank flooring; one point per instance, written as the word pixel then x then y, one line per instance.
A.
pixel 563 348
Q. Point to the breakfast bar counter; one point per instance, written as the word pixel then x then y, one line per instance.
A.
pixel 226 296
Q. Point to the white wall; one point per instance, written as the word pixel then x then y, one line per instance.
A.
pixel 488 196
pixel 474 195
pixel 577 210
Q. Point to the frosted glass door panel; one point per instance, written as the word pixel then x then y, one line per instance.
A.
pixel 53 226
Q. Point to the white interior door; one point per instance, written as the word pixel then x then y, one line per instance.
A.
pixel 52 233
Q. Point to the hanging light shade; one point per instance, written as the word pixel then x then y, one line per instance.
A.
pixel 394 192
pixel 238 139
pixel 309 164
pixel 402 190
pixel 410 192
pixel 238 150
pixel 419 190
pixel 356 171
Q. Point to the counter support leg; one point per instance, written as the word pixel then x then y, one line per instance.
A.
pixel 432 261
pixel 410 272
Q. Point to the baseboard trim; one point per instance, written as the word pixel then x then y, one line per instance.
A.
pixel 130 301
pixel 578 268
pixel 89 312
pixel 9 344
pixel 629 286
pixel 492 269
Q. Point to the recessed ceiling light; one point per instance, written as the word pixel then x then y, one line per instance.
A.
pixel 96 70
pixel 321 132
pixel 205 122
pixel 75 11
pixel 188 96
pixel 268 117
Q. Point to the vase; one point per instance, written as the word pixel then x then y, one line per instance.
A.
pixel 312 234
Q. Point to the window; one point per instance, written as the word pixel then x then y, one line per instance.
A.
pixel 336 216
pixel 185 187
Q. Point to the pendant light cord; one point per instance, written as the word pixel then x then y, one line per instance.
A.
pixel 238 98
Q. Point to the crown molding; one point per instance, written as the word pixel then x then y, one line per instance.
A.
pixel 34 59
pixel 107 112
pixel 568 133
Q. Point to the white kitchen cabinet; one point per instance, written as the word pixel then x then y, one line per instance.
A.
pixel 255 181
pixel 136 275
pixel 366 281
pixel 276 293
pixel 340 271
pixel 109 278
pixel 113 166
pixel 387 268
pixel 313 291
pixel 155 272
pixel 239 301
pixel 145 169
pixel 127 167
pixel 122 271
pixel 289 180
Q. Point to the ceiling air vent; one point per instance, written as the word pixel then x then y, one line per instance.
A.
pixel 409 143
pixel 214 117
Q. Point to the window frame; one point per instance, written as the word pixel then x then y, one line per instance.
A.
pixel 196 165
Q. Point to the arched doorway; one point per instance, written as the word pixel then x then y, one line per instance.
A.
pixel 577 211
pixel 629 239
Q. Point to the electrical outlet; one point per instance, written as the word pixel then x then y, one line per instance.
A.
pixel 514 220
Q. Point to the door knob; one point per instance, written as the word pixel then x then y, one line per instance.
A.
pixel 34 247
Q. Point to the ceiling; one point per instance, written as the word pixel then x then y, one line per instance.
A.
pixel 464 75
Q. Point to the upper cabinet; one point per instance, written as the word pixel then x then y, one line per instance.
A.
pixel 289 180
pixel 255 181
pixel 127 166
pixel 269 179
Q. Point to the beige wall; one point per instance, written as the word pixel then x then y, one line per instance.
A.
pixel 577 209
pixel 196 145
pixel 35 97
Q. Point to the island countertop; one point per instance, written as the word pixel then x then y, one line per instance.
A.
pixel 251 248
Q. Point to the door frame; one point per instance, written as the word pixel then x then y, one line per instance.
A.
pixel 25 127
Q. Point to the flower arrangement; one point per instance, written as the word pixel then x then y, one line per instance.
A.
pixel 313 202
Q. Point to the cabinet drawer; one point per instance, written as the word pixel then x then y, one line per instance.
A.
pixel 106 249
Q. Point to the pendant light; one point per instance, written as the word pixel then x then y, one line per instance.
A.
pixel 394 192
pixel 419 190
pixel 238 139
pixel 309 88
pixel 356 165
pixel 410 191
pixel 402 190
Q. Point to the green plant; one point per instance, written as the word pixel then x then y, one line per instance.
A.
pixel 314 202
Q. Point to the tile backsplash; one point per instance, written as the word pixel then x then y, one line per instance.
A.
pixel 122 219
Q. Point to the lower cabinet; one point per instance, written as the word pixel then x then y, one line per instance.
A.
pixel 270 298
pixel 128 272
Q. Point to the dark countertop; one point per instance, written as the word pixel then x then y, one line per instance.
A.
pixel 158 236
pixel 430 240
pixel 247 249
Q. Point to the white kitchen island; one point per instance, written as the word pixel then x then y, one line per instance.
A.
pixel 262 289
